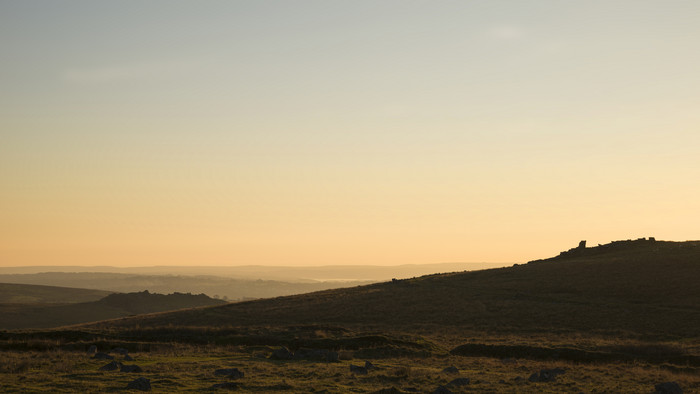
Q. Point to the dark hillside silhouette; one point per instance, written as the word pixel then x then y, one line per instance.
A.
pixel 25 294
pixel 16 316
pixel 644 286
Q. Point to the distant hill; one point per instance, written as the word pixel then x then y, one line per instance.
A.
pixel 641 287
pixel 35 315
pixel 231 288
pixel 25 294
pixel 289 274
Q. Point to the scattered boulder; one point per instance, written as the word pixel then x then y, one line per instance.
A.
pixel 451 369
pixel 225 386
pixel 120 350
pixel 141 384
pixel 332 357
pixel 284 386
pixel 358 369
pixel 102 356
pixel 281 354
pixel 92 349
pixel 370 366
pixel 668 388
pixel 442 390
pixel 130 368
pixel 459 382
pixel 316 354
pixel 390 390
pixel 345 355
pixel 113 366
pixel 546 375
pixel 233 373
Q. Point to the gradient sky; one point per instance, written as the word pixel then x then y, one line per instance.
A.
pixel 356 132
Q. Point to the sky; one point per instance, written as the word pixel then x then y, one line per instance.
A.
pixel 138 133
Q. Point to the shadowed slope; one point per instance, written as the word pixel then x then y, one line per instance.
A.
pixel 644 287
pixel 22 293
pixel 19 316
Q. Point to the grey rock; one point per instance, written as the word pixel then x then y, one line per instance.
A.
pixel 442 390
pixel 281 354
pixel 120 350
pixel 390 390
pixel 113 366
pixel 130 368
pixel 451 369
pixel 141 384
pixel 225 386
pixel 316 355
pixel 332 357
pixel 358 369
pixel 102 356
pixel 233 373
pixel 668 388
pixel 459 382
pixel 546 375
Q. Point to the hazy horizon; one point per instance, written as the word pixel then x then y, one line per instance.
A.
pixel 315 133
pixel 321 273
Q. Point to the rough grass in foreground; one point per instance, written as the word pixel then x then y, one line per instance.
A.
pixel 184 362
pixel 191 369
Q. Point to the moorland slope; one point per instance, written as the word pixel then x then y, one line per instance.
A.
pixel 644 287
pixel 47 315
pixel 23 293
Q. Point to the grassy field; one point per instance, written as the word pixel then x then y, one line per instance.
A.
pixel 190 368
pixel 618 318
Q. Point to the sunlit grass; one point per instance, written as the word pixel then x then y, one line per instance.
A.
pixel 191 368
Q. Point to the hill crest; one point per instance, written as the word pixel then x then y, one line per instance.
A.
pixel 632 286
pixel 629 246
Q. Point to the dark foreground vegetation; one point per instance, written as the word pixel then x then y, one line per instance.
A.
pixel 316 358
pixel 621 317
